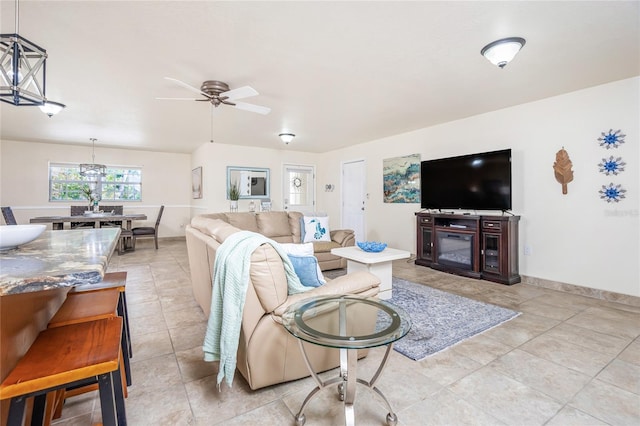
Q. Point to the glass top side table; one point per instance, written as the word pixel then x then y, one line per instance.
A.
pixel 347 323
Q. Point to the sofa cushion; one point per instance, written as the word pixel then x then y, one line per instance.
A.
pixel 268 277
pixel 316 229
pixel 295 222
pixel 244 221
pixel 324 246
pixel 218 229
pixel 221 216
pixel 273 224
pixel 306 268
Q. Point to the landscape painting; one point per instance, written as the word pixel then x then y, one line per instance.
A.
pixel 401 179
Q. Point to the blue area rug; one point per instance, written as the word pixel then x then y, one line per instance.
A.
pixel 441 319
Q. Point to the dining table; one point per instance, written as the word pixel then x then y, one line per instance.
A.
pixel 57 222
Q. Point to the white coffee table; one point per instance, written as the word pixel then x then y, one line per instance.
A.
pixel 379 264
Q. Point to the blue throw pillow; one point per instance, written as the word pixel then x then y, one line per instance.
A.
pixel 306 268
pixel 302 229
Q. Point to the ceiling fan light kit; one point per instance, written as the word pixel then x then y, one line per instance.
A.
pixel 501 52
pixel 23 69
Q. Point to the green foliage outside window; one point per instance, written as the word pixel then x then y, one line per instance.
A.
pixel 120 184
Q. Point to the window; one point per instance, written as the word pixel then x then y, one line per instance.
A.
pixel 120 184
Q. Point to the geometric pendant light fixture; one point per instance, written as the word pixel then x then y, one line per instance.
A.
pixel 23 67
pixel 92 170
pixel 501 52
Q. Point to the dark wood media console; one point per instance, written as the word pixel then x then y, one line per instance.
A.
pixel 483 247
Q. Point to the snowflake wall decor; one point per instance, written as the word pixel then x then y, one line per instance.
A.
pixel 612 193
pixel 611 166
pixel 611 139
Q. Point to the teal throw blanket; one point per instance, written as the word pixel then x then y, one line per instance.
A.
pixel 230 283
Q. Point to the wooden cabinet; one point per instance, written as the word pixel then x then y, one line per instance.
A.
pixel 499 249
pixel 474 246
pixel 425 240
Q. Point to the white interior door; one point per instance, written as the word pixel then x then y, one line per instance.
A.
pixel 298 188
pixel 353 197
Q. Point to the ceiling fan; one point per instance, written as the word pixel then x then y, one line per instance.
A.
pixel 217 92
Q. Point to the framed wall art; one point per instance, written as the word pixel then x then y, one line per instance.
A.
pixel 401 176
pixel 196 183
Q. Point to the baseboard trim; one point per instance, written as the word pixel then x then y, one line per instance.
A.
pixel 609 296
pixel 174 238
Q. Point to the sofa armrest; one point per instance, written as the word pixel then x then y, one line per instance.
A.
pixel 359 283
pixel 344 237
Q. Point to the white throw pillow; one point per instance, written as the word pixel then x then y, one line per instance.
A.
pixel 308 214
pixel 302 250
pixel 298 249
pixel 316 229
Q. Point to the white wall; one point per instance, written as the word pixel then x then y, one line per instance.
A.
pixel 24 168
pixel 214 159
pixel 575 238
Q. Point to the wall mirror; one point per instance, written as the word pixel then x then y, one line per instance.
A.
pixel 253 182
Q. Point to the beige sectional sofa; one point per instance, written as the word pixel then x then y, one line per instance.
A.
pixel 267 353
pixel 284 227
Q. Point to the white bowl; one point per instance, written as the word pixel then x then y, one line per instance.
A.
pixel 12 236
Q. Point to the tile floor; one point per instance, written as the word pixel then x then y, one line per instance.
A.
pixel 567 360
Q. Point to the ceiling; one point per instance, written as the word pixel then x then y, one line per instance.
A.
pixel 333 73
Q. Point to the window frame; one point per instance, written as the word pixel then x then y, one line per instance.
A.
pixel 114 171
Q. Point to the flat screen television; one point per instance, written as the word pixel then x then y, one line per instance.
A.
pixel 477 182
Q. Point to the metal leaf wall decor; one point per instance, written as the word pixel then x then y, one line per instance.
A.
pixel 562 169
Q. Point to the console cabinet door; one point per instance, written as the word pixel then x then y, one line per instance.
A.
pixel 491 252
pixel 424 251
pixel 426 246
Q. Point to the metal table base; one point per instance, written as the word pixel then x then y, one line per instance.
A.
pixel 347 381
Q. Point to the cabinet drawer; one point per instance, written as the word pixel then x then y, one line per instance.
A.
pixel 491 224
pixel 425 219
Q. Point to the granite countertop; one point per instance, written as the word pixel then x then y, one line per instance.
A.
pixel 57 259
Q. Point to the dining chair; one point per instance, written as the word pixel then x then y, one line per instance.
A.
pixel 9 218
pixel 79 211
pixel 118 210
pixel 147 231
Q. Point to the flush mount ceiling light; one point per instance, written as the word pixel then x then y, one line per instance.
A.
pixel 51 108
pixel 93 171
pixel 23 72
pixel 287 137
pixel 501 52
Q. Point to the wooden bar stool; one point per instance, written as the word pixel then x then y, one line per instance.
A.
pixel 92 305
pixel 114 280
pixel 67 356
pixel 81 307
pixel 86 306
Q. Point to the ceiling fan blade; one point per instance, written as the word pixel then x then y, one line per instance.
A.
pixel 179 99
pixel 253 108
pixel 239 93
pixel 186 86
